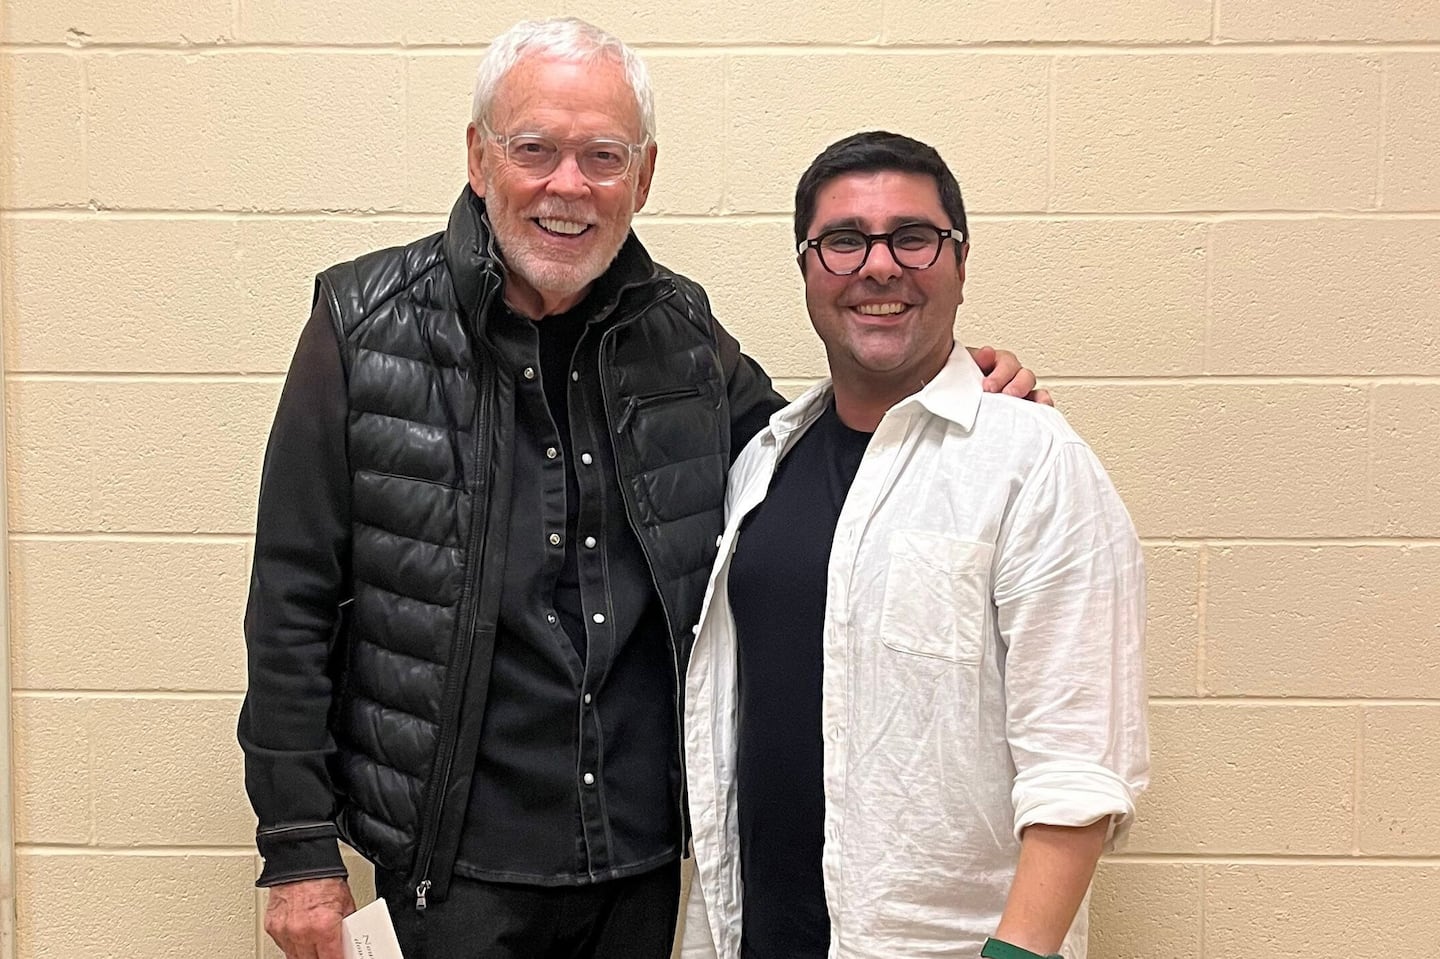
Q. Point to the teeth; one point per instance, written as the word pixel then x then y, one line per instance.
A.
pixel 568 227
pixel 880 309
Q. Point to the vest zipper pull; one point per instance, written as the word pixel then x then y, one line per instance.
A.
pixel 626 415
pixel 420 892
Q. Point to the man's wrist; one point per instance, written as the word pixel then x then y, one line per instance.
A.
pixel 1000 949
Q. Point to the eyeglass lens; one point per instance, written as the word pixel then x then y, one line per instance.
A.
pixel 600 159
pixel 914 247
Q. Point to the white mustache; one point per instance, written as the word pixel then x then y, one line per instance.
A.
pixel 573 214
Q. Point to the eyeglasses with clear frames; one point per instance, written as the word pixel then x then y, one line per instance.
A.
pixel 603 160
pixel 915 246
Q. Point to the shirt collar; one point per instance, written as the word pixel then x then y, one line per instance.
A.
pixel 954 394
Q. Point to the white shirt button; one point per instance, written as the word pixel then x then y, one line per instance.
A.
pixel 551 453
pixel 599 619
pixel 586 458
pixel 589 542
pixel 554 539
pixel 589 779
pixel 528 372
pixel 587 699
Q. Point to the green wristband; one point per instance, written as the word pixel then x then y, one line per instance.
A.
pixel 1000 949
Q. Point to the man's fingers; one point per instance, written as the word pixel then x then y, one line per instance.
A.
pixel 292 948
pixel 1042 397
pixel 1004 375
pixel 331 946
pixel 1021 385
pixel 984 357
pixel 304 918
pixel 292 942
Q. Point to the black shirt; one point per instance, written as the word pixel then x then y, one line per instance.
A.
pixel 577 774
pixel 777 593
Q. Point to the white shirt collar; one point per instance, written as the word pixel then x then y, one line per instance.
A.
pixel 954 394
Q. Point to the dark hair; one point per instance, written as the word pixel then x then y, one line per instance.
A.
pixel 871 152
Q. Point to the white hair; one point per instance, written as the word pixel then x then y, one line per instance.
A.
pixel 562 38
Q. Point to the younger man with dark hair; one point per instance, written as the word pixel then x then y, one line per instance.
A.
pixel 915 711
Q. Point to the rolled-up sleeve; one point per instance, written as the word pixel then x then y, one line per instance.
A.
pixel 1070 596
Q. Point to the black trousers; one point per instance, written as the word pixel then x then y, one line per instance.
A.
pixel 631 918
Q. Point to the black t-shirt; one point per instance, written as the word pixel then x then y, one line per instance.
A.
pixel 777 592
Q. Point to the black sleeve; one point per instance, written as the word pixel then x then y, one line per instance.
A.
pixel 297 583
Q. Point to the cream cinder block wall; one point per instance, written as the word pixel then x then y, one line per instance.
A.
pixel 1212 225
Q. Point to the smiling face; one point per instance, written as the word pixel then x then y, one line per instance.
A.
pixel 559 232
pixel 887 330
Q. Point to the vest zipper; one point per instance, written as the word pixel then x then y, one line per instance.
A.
pixel 636 403
pixel 465 637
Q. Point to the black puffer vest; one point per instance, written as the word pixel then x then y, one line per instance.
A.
pixel 431 434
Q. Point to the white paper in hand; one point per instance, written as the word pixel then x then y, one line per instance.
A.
pixel 369 933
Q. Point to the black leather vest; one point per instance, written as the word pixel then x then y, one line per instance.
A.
pixel 430 443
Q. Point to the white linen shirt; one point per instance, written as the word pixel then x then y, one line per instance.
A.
pixel 982 671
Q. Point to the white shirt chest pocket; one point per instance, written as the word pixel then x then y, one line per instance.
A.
pixel 937 596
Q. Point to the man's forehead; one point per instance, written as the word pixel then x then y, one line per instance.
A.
pixel 878 201
pixel 541 90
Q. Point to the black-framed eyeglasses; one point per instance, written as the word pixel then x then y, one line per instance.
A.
pixel 603 160
pixel 915 246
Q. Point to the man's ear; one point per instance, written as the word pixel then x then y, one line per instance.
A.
pixel 475 143
pixel 647 175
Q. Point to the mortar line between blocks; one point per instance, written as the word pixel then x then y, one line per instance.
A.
pixel 1052 72
pixel 1207 328
pixel 407 178
pixel 1384 124
pixel 1371 447
pixel 1361 719
pixel 1199 47
pixel 1277 859
pixel 1200 912
pixel 1392 542
pixel 135 537
pixel 726 64
pixel 1309 702
pixel 85 110
pixel 1202 596
pixel 114 695
pixel 59 850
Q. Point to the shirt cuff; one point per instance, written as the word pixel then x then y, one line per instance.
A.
pixel 294 853
pixel 1073 793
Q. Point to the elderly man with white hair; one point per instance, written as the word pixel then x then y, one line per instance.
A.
pixel 489 505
